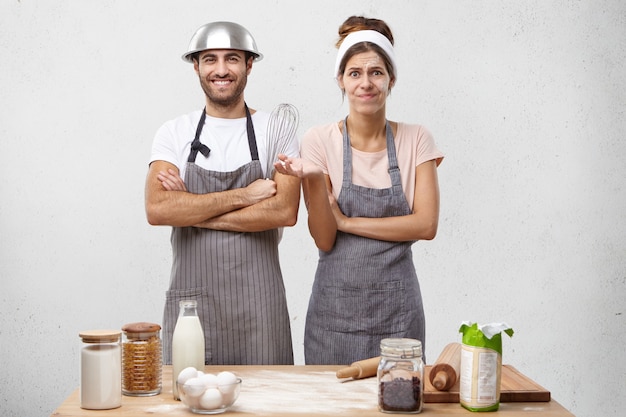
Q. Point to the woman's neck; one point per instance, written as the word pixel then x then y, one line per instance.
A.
pixel 367 132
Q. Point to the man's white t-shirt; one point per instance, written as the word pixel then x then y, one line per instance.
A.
pixel 226 138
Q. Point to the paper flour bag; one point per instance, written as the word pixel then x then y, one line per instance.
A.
pixel 481 365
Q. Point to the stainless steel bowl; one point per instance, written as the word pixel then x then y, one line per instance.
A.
pixel 222 35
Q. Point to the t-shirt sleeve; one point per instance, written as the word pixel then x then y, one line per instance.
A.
pixel 164 146
pixel 313 150
pixel 426 148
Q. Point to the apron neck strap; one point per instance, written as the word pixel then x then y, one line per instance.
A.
pixel 197 146
pixel 394 171
pixel 254 152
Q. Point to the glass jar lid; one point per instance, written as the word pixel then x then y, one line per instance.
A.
pixel 100 336
pixel 141 327
pixel 403 348
pixel 141 330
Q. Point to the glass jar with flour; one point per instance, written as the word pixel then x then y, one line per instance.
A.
pixel 100 369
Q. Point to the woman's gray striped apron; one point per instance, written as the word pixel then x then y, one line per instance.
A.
pixel 364 289
pixel 235 277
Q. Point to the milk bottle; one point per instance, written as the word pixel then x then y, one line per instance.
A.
pixel 187 342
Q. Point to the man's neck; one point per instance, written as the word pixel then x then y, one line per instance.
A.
pixel 233 111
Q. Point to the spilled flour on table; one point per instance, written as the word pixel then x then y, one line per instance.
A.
pixel 166 408
pixel 270 392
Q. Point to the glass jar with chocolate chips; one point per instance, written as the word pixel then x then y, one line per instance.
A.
pixel 400 376
pixel 141 359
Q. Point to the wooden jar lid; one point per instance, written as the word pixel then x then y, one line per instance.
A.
pixel 100 336
pixel 141 327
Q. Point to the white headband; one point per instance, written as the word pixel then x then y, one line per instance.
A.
pixel 366 36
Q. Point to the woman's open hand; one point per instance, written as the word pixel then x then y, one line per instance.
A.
pixel 296 167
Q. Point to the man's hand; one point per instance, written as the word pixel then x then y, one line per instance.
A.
pixel 171 181
pixel 261 189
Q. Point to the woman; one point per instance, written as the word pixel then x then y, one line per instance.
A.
pixel 370 186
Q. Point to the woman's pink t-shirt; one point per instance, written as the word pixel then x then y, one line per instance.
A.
pixel 323 145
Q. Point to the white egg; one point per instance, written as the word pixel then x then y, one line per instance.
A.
pixel 210 380
pixel 200 373
pixel 228 397
pixel 186 374
pixel 194 387
pixel 211 399
pixel 192 402
pixel 226 381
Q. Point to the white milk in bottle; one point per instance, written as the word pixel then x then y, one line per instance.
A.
pixel 187 342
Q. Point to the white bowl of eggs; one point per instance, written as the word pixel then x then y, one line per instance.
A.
pixel 206 393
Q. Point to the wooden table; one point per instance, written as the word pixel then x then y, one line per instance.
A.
pixel 301 391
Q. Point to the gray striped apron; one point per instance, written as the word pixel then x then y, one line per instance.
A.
pixel 364 289
pixel 235 277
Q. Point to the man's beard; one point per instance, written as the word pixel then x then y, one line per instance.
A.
pixel 221 100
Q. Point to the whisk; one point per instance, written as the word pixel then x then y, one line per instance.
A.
pixel 281 130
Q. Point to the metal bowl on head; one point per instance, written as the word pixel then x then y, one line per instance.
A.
pixel 222 35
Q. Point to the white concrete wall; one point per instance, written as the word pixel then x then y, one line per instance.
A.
pixel 526 99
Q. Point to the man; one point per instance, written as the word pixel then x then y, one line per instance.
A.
pixel 206 179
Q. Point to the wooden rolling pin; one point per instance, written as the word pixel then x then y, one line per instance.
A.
pixel 360 369
pixel 446 369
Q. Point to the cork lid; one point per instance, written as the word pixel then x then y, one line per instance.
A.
pixel 141 327
pixel 100 336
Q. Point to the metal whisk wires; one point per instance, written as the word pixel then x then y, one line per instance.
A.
pixel 281 130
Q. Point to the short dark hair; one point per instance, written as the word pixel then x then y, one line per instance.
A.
pixel 248 55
